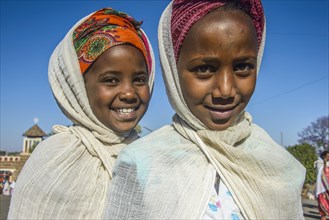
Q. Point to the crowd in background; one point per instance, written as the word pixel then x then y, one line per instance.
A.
pixel 7 184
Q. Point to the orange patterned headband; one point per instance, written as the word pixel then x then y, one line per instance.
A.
pixel 104 29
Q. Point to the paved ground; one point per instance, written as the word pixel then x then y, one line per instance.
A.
pixel 310 208
pixel 4 205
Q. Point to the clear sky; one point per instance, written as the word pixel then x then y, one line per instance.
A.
pixel 291 92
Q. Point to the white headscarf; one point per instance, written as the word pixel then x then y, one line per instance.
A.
pixel 68 174
pixel 265 180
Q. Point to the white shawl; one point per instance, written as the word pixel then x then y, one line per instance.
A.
pixel 170 173
pixel 68 174
pixel 263 187
pixel 319 187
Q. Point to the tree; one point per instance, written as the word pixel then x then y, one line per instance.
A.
pixel 316 134
pixel 35 144
pixel 306 155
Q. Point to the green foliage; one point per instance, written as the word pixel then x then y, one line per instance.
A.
pixel 306 155
pixel 17 153
pixel 33 147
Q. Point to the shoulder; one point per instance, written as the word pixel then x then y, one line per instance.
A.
pixel 59 139
pixel 154 167
pixel 259 135
pixel 55 144
pixel 261 141
pixel 48 151
pixel 279 156
pixel 164 147
pixel 162 140
pixel 165 135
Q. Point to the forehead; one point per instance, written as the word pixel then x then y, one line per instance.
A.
pixel 229 31
pixel 220 19
pixel 121 58
pixel 115 56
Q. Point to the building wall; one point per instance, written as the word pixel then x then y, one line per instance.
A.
pixel 14 164
pixel 29 142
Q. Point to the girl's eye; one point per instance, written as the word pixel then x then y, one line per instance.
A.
pixel 244 69
pixel 141 80
pixel 111 81
pixel 204 71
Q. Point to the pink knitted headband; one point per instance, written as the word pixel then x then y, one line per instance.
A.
pixel 186 12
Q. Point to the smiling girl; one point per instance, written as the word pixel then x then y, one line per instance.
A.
pixel 213 162
pixel 101 75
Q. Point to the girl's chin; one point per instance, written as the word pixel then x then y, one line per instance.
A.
pixel 220 125
pixel 121 128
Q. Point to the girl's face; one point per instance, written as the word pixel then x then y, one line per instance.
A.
pixel 217 67
pixel 117 87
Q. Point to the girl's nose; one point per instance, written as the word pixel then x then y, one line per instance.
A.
pixel 224 85
pixel 127 93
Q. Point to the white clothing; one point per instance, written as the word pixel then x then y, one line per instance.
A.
pixel 68 174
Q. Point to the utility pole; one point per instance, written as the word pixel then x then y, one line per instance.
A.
pixel 281 138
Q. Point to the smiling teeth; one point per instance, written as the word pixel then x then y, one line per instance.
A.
pixel 125 110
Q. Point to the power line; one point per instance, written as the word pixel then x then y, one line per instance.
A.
pixel 300 34
pixel 290 91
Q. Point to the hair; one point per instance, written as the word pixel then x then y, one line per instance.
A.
pixel 324 153
pixel 235 5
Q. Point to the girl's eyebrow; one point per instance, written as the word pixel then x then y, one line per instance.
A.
pixel 117 72
pixel 246 58
pixel 215 58
pixel 138 74
pixel 110 72
pixel 205 59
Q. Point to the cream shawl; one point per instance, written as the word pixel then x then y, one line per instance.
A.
pixel 263 187
pixel 170 173
pixel 68 174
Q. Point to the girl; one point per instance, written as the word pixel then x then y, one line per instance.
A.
pixel 322 185
pixel 213 162
pixel 101 75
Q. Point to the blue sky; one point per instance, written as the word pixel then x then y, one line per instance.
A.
pixel 291 92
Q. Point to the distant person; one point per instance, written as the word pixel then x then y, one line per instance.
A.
pixel 6 187
pixel 11 185
pixel 322 185
pixel 101 75
pixel 213 162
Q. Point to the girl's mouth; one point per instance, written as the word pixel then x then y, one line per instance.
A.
pixel 126 114
pixel 221 113
pixel 125 110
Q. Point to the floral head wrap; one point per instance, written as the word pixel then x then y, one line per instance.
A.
pixel 186 12
pixel 104 29
pixel 88 146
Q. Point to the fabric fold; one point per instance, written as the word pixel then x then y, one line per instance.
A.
pixel 68 175
pixel 244 165
pixel 243 161
pixel 170 174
